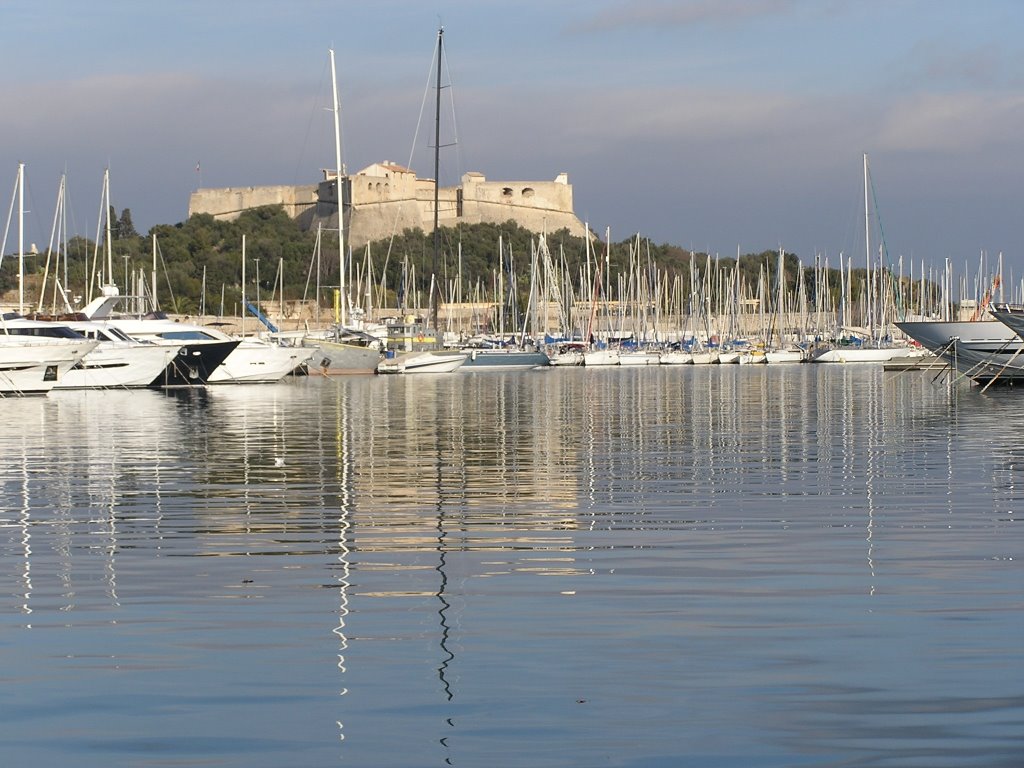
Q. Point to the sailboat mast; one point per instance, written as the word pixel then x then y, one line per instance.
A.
pixel 21 238
pixel 339 171
pixel 867 253
pixel 437 183
pixel 153 302
pixel 243 286
pixel 107 233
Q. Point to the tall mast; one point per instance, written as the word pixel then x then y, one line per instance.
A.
pixel 434 292
pixel 153 302
pixel 107 232
pixel 867 252
pixel 243 286
pixel 339 189
pixel 21 238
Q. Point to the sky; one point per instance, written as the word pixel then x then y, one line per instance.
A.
pixel 716 125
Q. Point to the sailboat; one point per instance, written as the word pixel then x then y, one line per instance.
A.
pixel 430 360
pixel 873 349
pixel 503 354
pixel 341 349
pixel 600 354
pixel 777 351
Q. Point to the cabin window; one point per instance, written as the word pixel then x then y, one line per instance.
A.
pixel 506 192
pixel 528 192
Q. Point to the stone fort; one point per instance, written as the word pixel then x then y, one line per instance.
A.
pixel 385 199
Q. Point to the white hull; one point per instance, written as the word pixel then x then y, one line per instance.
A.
pixel 251 361
pixel 784 356
pixel 259 362
pixel 423 362
pixel 937 335
pixel 862 354
pixel 639 358
pixel 117 365
pixel 34 366
pixel 984 350
pixel 676 358
pixel 601 357
pixel 566 358
pixel 705 358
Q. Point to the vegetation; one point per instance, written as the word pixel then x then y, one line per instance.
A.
pixel 205 252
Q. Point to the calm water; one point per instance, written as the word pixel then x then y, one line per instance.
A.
pixel 699 566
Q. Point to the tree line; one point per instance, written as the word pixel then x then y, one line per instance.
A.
pixel 199 262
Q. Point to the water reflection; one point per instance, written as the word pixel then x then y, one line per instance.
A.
pixel 463 566
pixel 77 476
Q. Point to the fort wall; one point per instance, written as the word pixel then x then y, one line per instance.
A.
pixel 229 203
pixel 386 198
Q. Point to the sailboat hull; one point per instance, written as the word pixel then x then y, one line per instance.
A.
pixel 423 362
pixel 600 357
pixel 639 358
pixel 332 358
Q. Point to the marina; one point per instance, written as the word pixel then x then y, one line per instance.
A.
pixel 461 479
pixel 712 565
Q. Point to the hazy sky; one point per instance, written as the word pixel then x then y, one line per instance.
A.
pixel 711 124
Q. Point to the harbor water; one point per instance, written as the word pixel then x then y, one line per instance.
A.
pixel 706 566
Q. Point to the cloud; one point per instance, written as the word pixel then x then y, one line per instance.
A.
pixel 659 13
pixel 963 121
pixel 938 64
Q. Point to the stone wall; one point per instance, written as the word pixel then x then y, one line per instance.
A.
pixel 229 203
pixel 386 198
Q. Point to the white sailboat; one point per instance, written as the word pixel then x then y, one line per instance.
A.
pixel 778 350
pixel 429 360
pixel 872 348
pixel 425 361
pixel 34 356
pixel 676 357
pixel 600 354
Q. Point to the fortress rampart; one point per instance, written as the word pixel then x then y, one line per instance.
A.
pixel 386 198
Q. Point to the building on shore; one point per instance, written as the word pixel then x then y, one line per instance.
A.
pixel 386 198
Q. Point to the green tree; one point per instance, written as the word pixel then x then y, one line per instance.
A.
pixel 125 228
